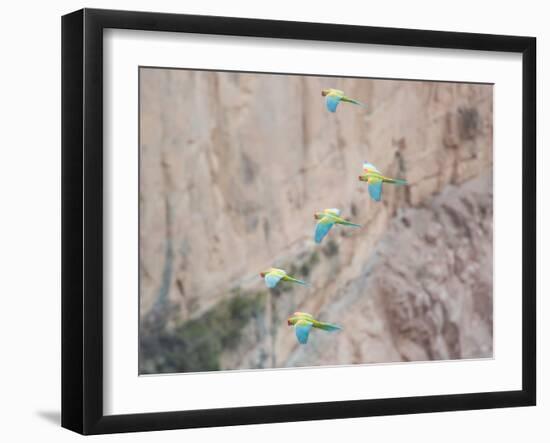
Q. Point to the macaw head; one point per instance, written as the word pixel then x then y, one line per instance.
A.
pixel 325 92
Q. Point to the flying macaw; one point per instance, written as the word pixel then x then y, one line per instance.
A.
pixel 335 96
pixel 272 276
pixel 303 323
pixel 327 219
pixel 374 178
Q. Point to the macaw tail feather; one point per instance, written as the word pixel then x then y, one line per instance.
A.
pixel 347 223
pixel 396 181
pixel 295 280
pixel 355 102
pixel 330 327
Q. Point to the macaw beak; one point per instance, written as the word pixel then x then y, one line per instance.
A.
pixel 323 92
pixel 361 178
pixel 288 323
pixel 262 274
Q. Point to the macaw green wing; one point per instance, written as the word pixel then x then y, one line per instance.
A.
pixel 332 102
pixel 302 329
pixel 278 272
pixel 375 188
pixel 305 316
pixel 369 167
pixel 272 279
pixel 322 228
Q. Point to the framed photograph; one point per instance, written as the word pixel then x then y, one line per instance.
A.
pixel 269 221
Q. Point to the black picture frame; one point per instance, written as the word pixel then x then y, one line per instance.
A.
pixel 82 220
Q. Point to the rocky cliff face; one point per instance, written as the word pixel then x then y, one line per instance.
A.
pixel 233 166
pixel 425 292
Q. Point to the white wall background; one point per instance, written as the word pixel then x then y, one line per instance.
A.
pixel 30 218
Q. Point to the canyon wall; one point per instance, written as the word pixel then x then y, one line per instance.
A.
pixel 233 167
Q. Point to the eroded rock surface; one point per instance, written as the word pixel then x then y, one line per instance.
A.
pixel 426 291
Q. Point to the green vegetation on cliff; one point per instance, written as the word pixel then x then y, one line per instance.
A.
pixel 196 345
